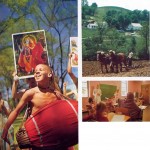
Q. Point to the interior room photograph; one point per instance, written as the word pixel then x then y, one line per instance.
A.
pixel 116 101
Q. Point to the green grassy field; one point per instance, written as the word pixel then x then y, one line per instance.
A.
pixel 99 17
pixel 101 11
pixel 16 126
pixel 76 147
pixel 89 33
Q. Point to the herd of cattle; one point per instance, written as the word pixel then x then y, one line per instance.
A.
pixel 113 62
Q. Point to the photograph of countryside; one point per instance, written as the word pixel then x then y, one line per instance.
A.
pixel 115 41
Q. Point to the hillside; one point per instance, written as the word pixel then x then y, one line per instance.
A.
pixel 87 33
pixel 98 17
pixel 101 11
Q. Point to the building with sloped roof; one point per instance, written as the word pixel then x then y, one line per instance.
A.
pixel 134 26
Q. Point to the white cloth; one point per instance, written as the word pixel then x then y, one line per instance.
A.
pixel 97 93
pixel 6 105
pixel 130 55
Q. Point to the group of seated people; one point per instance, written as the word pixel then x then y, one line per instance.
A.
pixel 100 111
pixel 97 112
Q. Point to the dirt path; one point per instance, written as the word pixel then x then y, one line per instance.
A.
pixel 140 69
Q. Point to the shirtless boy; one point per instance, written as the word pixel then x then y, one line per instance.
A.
pixel 38 97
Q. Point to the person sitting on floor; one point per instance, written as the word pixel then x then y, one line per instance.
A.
pixel 91 105
pixel 101 112
pixel 100 115
pixel 134 110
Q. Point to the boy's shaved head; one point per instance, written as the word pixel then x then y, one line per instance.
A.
pixel 50 73
pixel 46 67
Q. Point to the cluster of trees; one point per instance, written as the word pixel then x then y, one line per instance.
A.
pixel 110 38
pixel 105 40
pixel 24 16
pixel 88 10
pixel 121 19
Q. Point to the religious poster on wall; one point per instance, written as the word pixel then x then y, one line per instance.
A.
pixel 30 49
pixel 74 51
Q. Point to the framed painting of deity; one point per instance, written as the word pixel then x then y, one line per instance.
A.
pixel 30 49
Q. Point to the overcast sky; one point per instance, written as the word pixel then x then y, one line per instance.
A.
pixel 129 4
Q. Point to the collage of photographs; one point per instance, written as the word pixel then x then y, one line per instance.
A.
pixel 74 74
pixel 115 43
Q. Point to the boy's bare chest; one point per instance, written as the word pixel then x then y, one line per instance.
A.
pixel 41 99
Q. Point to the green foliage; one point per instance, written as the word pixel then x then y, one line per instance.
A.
pixel 133 44
pixel 85 11
pixel 33 15
pixel 117 19
pixel 102 11
pixel 84 2
pixel 11 103
pixel 145 34
pixel 6 68
pixel 88 33
pixel 121 19
pixel 19 3
pixel 88 10
pixel 106 38
pixel 89 49
pixel 93 8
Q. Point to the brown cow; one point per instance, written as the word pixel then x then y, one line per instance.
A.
pixel 104 60
pixel 118 59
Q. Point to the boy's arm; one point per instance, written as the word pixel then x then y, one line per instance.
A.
pixel 26 97
pixel 16 94
pixel 69 70
pixel 74 79
pixel 64 88
pixel 7 111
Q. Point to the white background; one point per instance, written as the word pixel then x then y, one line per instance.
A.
pixel 114 136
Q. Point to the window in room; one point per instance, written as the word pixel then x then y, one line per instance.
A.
pixel 124 88
pixel 84 89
